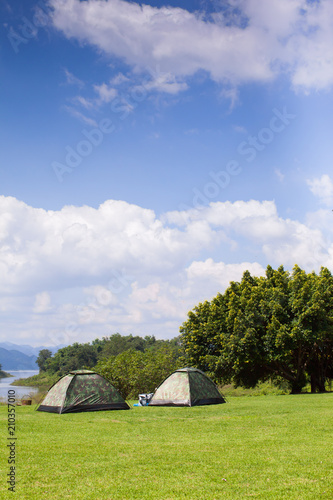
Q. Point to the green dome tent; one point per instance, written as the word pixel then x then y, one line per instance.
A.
pixel 82 390
pixel 187 387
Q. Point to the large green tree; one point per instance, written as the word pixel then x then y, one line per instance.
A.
pixel 279 326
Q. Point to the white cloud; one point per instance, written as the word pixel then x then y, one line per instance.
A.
pixel 42 302
pixel 73 80
pixel 239 129
pixel 165 83
pixel 83 118
pixel 264 40
pixel 314 67
pixel 322 220
pixel 224 214
pixel 322 188
pixel 101 295
pixel 147 294
pixel 232 95
pixel 119 79
pixel 106 93
pixel 213 277
pixel 121 268
pixel 86 103
pixel 279 174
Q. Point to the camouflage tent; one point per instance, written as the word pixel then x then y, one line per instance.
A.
pixel 187 387
pixel 82 390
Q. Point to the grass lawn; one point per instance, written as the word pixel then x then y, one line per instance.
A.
pixel 270 447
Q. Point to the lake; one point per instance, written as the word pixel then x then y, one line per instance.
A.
pixel 19 390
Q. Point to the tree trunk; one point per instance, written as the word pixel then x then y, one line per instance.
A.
pixel 317 383
pixel 313 383
pixel 296 387
pixel 298 383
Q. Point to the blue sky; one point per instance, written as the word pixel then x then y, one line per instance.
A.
pixel 153 152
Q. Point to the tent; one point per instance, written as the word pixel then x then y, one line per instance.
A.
pixel 187 387
pixel 82 390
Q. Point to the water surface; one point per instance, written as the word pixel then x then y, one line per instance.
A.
pixel 20 391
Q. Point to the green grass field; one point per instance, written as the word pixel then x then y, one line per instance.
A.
pixel 270 447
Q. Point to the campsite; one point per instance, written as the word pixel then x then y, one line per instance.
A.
pixel 269 447
pixel 262 442
pixel 166 250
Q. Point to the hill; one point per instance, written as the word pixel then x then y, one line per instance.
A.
pixel 16 360
pixel 21 357
pixel 28 349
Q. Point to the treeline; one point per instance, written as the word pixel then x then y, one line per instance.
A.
pixel 274 328
pixel 132 364
pixel 278 327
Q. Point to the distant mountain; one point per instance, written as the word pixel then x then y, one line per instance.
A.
pixel 16 360
pixel 28 349
pixel 21 357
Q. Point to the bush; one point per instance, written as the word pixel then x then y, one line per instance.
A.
pixel 133 372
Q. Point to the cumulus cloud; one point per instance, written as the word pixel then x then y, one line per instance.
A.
pixel 119 267
pixel 106 93
pixel 260 41
pixel 212 277
pixel 322 188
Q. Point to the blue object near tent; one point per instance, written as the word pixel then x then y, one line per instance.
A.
pixel 144 399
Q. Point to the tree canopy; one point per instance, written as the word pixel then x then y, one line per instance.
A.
pixel 43 356
pixel 134 372
pixel 132 364
pixel 279 326
pixel 78 356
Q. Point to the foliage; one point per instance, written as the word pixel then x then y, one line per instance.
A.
pixel 275 327
pixel 43 356
pixel 73 357
pixel 261 389
pixel 117 343
pixel 133 364
pixel 78 356
pixel 4 374
pixel 43 380
pixel 133 372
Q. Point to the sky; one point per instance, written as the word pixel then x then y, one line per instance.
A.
pixel 152 152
